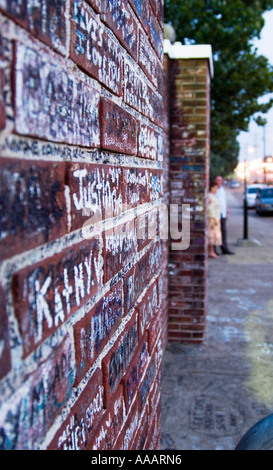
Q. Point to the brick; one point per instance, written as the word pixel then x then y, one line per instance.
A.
pixel 36 404
pixel 133 377
pixel 115 363
pixel 154 330
pixel 148 308
pixel 96 328
pixel 148 60
pixel 51 103
pixel 141 276
pixel 129 290
pixel 46 20
pixel 118 16
pixel 142 9
pixel 33 204
pixel 95 193
pixel 142 433
pixel 147 383
pixel 155 184
pixel 140 96
pixel 5 358
pixel 154 437
pixel 2 100
pixel 84 182
pixel 157 37
pixel 147 228
pixel 108 429
pixel 93 49
pixel 96 4
pixel 136 184
pixel 150 143
pixel 118 129
pixel 155 394
pixel 120 248
pixel 129 431
pixel 77 430
pixel 155 258
pixel 49 292
pixel 158 8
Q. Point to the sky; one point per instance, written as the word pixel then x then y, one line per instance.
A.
pixel 253 142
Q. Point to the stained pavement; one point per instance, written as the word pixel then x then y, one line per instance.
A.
pixel 214 392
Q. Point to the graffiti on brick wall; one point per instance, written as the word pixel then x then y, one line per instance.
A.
pixel 134 375
pixel 117 360
pixel 32 202
pixel 119 17
pixel 143 10
pixel 36 404
pixel 148 307
pixel 94 331
pixel 53 104
pixel 120 248
pixel 139 95
pixel 95 194
pixel 46 295
pixel 148 60
pixel 150 143
pixel 94 49
pixel 78 428
pixel 111 424
pixel 44 19
pixel 118 128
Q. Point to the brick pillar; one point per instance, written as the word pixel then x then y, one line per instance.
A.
pixel 190 69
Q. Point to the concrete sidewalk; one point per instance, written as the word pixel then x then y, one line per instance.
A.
pixel 214 392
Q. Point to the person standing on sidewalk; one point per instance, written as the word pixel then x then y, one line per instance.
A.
pixel 221 196
pixel 214 228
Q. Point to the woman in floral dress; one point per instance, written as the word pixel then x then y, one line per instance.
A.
pixel 214 213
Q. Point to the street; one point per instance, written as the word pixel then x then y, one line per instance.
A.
pixel 214 392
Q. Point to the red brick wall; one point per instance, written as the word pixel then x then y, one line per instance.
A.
pixel 82 294
pixel 188 128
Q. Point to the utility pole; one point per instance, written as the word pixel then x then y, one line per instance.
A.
pixel 245 208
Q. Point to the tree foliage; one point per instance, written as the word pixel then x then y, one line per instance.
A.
pixel 241 76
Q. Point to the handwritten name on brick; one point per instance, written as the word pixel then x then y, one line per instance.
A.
pixel 44 19
pixel 33 204
pixel 51 103
pixel 77 430
pixel 140 96
pixel 142 9
pixel 96 4
pixel 26 418
pixel 117 360
pixel 95 193
pixel 118 129
pixel 150 143
pixel 94 330
pixel 118 16
pixel 48 293
pixel 120 248
pixel 93 48
pixel 133 377
pixel 110 425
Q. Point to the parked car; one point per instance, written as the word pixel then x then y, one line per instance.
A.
pixel 235 184
pixel 264 200
pixel 251 194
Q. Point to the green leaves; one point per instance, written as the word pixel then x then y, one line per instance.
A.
pixel 241 76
